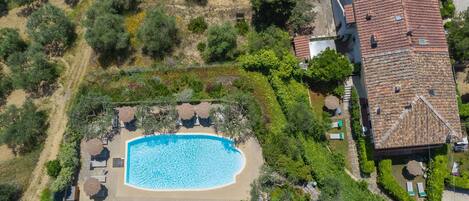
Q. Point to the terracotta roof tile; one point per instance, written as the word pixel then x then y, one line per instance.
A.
pixel 301 44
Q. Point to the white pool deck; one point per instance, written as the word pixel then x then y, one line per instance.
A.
pixel 117 191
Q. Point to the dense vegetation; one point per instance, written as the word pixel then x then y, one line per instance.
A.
pixel 9 192
pixel 272 38
pixel 447 9
pixel 438 171
pixel 329 67
pixel 282 13
pixel 389 182
pixel 197 25
pixel 10 42
pixel 221 43
pixel 158 33
pixel 367 165
pixel 458 38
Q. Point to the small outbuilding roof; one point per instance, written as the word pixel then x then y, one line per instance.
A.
pixel 185 111
pixel 126 114
pixel 91 186
pixel 413 167
pixel 332 102
pixel 94 146
pixel 203 109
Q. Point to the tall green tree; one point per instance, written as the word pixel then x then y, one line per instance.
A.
pixel 10 42
pixel 158 33
pixel 23 129
pixel 221 43
pixel 272 12
pixel 50 27
pixel 107 34
pixel 329 67
pixel 458 37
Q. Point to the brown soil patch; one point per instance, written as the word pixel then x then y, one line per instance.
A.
pixel 7 154
pixel 13 21
pixel 17 98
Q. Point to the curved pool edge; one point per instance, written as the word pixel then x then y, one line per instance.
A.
pixel 186 189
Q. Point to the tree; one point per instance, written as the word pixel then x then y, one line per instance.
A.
pixel 197 25
pixel 158 32
pixel 302 15
pixel 32 71
pixel 447 8
pixel 3 7
pixel 302 120
pixel 272 38
pixel 53 168
pixel 329 67
pixel 272 12
pixel 221 43
pixel 9 193
pixel 10 42
pixel 50 27
pixel 22 129
pixel 458 37
pixel 107 34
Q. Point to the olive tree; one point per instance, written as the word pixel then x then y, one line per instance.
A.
pixel 162 121
pixel 50 27
pixel 158 33
pixel 221 43
pixel 106 33
pixel 10 42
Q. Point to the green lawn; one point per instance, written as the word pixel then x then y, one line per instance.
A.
pixel 18 170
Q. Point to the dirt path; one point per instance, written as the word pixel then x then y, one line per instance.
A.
pixel 58 118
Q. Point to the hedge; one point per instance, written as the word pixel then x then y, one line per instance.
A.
pixel 436 177
pixel 460 182
pixel 389 182
pixel 366 166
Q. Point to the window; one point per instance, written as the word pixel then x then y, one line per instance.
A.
pixel 431 92
pixel 397 89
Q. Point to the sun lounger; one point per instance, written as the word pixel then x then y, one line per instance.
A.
pixel 337 124
pixel 421 190
pixel 336 136
pixel 100 178
pixel 455 169
pixel 97 164
pixel 410 189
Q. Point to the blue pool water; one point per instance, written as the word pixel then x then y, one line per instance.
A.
pixel 182 162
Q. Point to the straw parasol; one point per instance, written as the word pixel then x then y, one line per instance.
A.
pixel 94 146
pixel 203 110
pixel 413 167
pixel 126 114
pixel 331 102
pixel 91 186
pixel 185 111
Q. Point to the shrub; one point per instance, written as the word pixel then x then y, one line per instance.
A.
pixel 46 195
pixel 389 183
pixel 5 87
pixel 22 2
pixel 221 43
pixel 273 38
pixel 158 33
pixel 436 177
pixel 50 27
pixel 242 27
pixel 460 182
pixel 302 15
pixel 197 25
pixel 9 192
pixel 53 168
pixel 107 34
pixel 201 47
pixel 329 67
pixel 64 179
pixel 10 42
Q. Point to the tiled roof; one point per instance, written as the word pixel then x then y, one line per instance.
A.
pixel 349 14
pixel 301 45
pixel 408 75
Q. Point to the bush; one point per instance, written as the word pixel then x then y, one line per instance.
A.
pixel 242 27
pixel 221 43
pixel 50 27
pixel 460 182
pixel 302 15
pixel 10 42
pixel 197 25
pixel 53 168
pixel 158 33
pixel 201 47
pixel 329 67
pixel 438 171
pixel 106 34
pixel 273 38
pixel 5 87
pixel 22 2
pixel 9 192
pixel 389 183
pixel 46 195
pixel 64 179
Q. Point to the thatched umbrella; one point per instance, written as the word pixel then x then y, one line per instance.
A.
pixel 91 186
pixel 413 167
pixel 185 111
pixel 94 146
pixel 203 109
pixel 331 102
pixel 126 114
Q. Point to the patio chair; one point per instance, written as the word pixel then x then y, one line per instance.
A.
pixel 337 124
pixel 410 188
pixel 336 136
pixel 421 190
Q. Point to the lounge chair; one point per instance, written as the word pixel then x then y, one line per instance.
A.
pixel 337 124
pixel 421 190
pixel 455 169
pixel 100 178
pixel 410 188
pixel 98 164
pixel 336 136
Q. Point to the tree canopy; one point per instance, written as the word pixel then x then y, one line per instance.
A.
pixel 107 33
pixel 22 129
pixel 158 33
pixel 302 15
pixel 458 37
pixel 272 12
pixel 10 42
pixel 329 66
pixel 272 38
pixel 9 192
pixel 221 43
pixel 267 62
pixel 50 27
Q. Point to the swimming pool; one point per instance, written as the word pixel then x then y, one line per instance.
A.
pixel 182 162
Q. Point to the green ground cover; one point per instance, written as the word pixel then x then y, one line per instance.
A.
pixel 17 171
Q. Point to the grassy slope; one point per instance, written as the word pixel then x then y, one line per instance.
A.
pixel 18 170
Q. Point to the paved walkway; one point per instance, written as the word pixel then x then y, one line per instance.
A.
pixel 458 195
